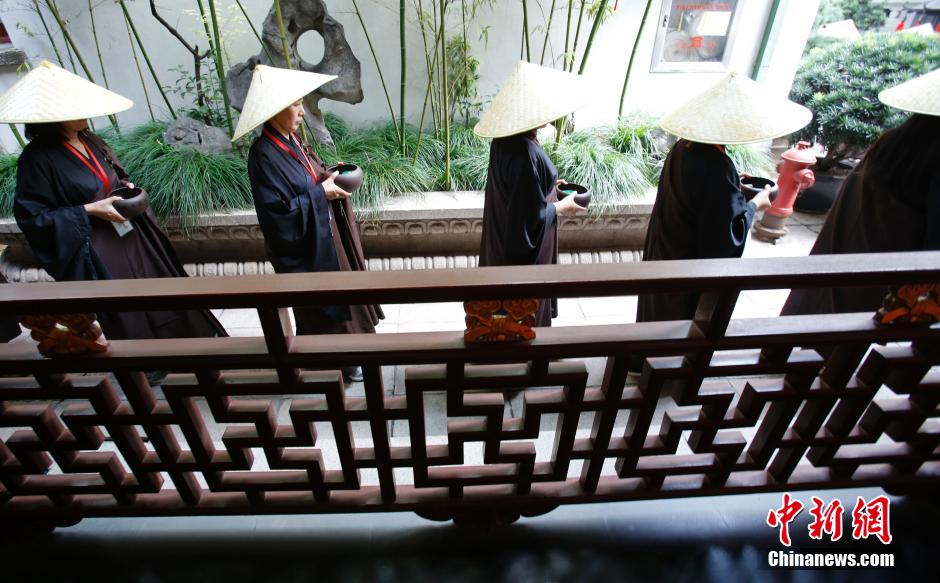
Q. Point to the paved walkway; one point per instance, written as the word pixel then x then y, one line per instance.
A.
pixel 572 311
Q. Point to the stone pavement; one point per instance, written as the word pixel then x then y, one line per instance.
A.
pixel 573 311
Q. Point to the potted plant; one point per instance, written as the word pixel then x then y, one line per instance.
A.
pixel 840 83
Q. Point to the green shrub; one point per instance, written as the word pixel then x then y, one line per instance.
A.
pixel 638 135
pixel 840 85
pixel 7 183
pixel 614 162
pixel 182 183
pixel 867 14
pixel 752 160
pixel 588 158
pixel 377 151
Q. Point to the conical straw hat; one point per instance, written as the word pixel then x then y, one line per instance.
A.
pixel 736 110
pixel 532 97
pixel 273 89
pixel 49 93
pixel 918 95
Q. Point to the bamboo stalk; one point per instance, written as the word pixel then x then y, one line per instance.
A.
pixel 94 33
pixel 548 31
pixel 444 78
pixel 441 87
pixel 280 27
pixel 419 7
pixel 466 64
pixel 598 19
pixel 254 30
pixel 525 30
pixel 636 43
pixel 143 51
pixel 404 62
pixel 205 25
pixel 16 134
pixel 577 35
pixel 220 70
pixel 388 100
pixel 71 43
pixel 140 73
pixel 564 63
pixel 45 26
pixel 427 94
pixel 68 38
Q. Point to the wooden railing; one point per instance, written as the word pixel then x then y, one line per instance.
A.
pixel 265 425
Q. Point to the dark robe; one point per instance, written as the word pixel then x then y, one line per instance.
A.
pixel 9 327
pixel 867 218
pixel 304 232
pixel 700 213
pixel 52 186
pixel 519 222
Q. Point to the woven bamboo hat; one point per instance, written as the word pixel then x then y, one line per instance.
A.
pixel 49 94
pixel 273 89
pixel 532 97
pixel 918 95
pixel 736 110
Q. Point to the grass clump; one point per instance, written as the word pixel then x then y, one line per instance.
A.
pixel 588 158
pixel 7 183
pixel 377 152
pixel 182 183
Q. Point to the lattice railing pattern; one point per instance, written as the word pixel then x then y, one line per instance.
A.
pixel 264 425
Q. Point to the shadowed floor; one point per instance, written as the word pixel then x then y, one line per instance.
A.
pixel 706 539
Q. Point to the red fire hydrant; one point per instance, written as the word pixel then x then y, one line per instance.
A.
pixel 795 177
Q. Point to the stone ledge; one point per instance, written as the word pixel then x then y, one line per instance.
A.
pixel 415 225
pixel 16 273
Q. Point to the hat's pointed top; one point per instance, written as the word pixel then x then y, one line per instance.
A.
pixel 736 110
pixel 531 97
pixel 273 89
pixel 49 93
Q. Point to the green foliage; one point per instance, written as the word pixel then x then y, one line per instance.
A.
pixel 829 11
pixel 840 84
pixel 463 73
pixel 212 109
pixel 470 158
pixel 589 159
pixel 378 152
pixel 638 135
pixel 7 183
pixel 752 160
pixel 182 183
pixel 615 162
pixel 867 14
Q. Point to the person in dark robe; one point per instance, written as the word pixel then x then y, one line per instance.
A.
pixel 521 207
pixel 9 326
pixel 64 201
pixel 307 220
pixel 699 213
pixel 889 203
pixel 63 207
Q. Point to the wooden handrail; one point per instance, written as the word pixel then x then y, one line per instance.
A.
pixel 761 404
pixel 471 284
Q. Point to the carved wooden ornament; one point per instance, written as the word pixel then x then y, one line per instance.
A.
pixel 500 320
pixel 911 304
pixel 59 334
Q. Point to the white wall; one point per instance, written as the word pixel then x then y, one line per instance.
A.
pixel 655 92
